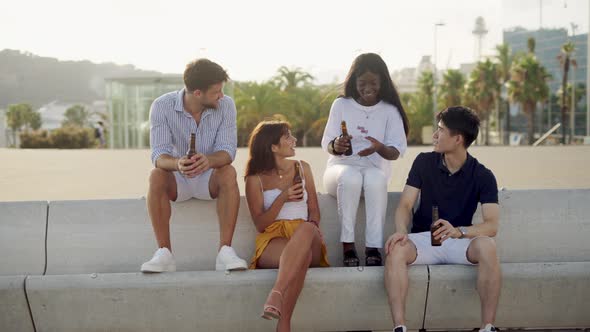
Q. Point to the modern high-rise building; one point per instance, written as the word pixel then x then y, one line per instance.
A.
pixel 548 44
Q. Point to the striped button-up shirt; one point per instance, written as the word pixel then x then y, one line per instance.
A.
pixel 171 127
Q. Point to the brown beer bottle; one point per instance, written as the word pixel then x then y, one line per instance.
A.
pixel 191 150
pixel 433 228
pixel 297 178
pixel 348 151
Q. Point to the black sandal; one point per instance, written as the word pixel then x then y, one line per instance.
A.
pixel 373 257
pixel 350 258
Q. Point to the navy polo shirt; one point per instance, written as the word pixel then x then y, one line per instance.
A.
pixel 456 195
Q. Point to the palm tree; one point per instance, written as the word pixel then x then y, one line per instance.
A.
pixel 504 58
pixel 451 88
pixel 419 107
pixel 289 79
pixel 482 92
pixel 580 92
pixel 528 85
pixel 255 102
pixel 565 60
pixel 426 83
pixel 22 115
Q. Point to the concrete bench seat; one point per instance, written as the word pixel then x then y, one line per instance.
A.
pixel 534 295
pixel 334 299
pixel 22 245
pixel 95 248
pixel 14 309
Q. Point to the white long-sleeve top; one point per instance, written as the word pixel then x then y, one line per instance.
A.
pixel 381 121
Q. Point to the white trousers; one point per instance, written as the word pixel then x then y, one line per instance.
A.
pixel 345 181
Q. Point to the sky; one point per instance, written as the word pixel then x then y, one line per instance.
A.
pixel 253 38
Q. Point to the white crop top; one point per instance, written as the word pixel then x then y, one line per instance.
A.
pixel 290 210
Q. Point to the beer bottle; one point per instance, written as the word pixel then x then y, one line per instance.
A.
pixel 297 178
pixel 433 228
pixel 191 150
pixel 344 135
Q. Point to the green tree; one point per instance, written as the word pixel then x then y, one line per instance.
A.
pixel 482 92
pixel 289 79
pixel 580 92
pixel 565 59
pixel 451 88
pixel 419 107
pixel 255 102
pixel 21 116
pixel 528 85
pixel 426 83
pixel 76 115
pixel 504 59
pixel 35 120
pixel 305 106
pixel 307 109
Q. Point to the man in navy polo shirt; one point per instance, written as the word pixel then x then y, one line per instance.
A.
pixel 453 180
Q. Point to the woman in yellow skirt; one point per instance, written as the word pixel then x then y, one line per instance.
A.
pixel 284 206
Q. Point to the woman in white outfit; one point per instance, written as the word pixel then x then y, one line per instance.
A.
pixel 377 126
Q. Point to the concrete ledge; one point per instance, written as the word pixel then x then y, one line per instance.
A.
pixel 332 300
pixel 543 226
pixel 116 235
pixel 22 237
pixel 534 295
pixel 14 311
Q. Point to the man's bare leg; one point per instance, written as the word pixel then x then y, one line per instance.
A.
pixel 162 189
pixel 489 277
pixel 396 279
pixel 224 187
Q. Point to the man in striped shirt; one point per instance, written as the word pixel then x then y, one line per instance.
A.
pixel 199 108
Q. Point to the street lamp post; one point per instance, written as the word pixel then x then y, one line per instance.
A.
pixel 573 108
pixel 434 107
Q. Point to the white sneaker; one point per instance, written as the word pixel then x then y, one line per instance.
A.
pixel 489 328
pixel 163 261
pixel 227 260
pixel 400 328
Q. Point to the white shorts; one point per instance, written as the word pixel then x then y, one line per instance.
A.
pixel 197 187
pixel 452 251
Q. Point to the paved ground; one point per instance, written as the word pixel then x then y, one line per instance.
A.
pixel 105 174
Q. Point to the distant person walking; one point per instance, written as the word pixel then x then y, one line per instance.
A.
pixel 99 133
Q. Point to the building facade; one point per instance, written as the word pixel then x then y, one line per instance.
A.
pixel 128 102
pixel 548 43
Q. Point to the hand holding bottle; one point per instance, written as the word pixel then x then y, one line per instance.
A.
pixel 294 192
pixel 342 144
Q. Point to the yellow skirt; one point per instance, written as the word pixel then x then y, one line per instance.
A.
pixel 281 228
